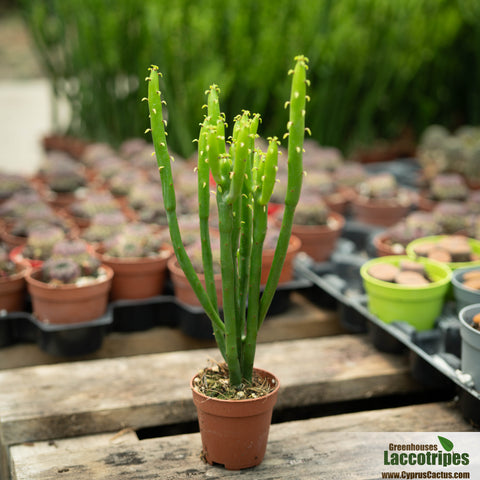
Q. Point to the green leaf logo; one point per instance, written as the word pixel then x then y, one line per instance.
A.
pixel 446 443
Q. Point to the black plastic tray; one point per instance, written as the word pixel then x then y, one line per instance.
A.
pixel 435 355
pixel 122 316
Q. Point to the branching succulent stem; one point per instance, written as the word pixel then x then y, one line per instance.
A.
pixel 244 184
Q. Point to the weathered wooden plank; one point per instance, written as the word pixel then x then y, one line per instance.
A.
pixel 81 398
pixel 315 448
pixel 301 320
pixel 78 398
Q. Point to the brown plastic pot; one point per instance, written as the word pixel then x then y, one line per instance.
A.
pixel 379 212
pixel 137 278
pixel 318 241
pixel 235 432
pixel 70 303
pixel 181 286
pixel 12 290
pixel 286 275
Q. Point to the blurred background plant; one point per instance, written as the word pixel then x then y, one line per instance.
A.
pixel 378 68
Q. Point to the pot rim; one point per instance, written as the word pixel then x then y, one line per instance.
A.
pixel 464 312
pixel 239 401
pixel 30 278
pixel 395 259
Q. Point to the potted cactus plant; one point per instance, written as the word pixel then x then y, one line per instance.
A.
pixel 244 180
pixel 138 256
pixel 316 225
pixel 380 201
pixel 71 286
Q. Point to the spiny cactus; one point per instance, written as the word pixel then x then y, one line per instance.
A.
pixel 135 240
pixel 244 179
pixel 379 186
pixel 7 267
pixel 40 242
pixel 311 211
pixel 60 271
pixel 448 186
pixel 451 216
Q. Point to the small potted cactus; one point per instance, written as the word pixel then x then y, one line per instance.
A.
pixel 90 203
pixel 394 240
pixel 12 283
pixel 63 176
pixel 316 225
pixel 138 256
pixel 443 187
pixel 104 225
pixel 244 179
pixel 39 245
pixel 380 201
pixel 71 286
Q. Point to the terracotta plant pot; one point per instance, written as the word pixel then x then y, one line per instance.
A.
pixel 287 271
pixel 235 432
pixel 384 247
pixel 183 291
pixel 65 304
pixel 318 241
pixel 12 291
pixel 137 278
pixel 378 212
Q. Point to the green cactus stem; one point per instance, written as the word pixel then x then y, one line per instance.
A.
pixel 245 179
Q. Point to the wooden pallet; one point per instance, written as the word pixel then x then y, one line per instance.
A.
pixel 308 449
pixel 74 418
pixel 50 402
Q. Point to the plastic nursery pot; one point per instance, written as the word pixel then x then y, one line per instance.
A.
pixel 470 358
pixel 474 245
pixel 235 432
pixel 294 247
pixel 418 306
pixel 12 290
pixel 382 213
pixel 181 286
pixel 464 295
pixel 384 247
pixel 318 241
pixel 137 278
pixel 70 303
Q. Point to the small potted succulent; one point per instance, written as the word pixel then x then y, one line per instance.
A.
pixel 244 179
pixel 138 256
pixel 316 225
pixel 71 286
pixel 400 289
pixel 451 216
pixel 470 334
pixel 39 245
pixel 11 183
pixel 12 283
pixel 466 286
pixel 63 176
pixel 90 203
pixel 443 187
pixel 380 201
pixel 394 240
pixel 456 251
pixel 104 225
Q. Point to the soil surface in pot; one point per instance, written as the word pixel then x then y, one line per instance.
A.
pixel 213 382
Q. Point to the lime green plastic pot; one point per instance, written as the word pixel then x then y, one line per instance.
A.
pixel 417 305
pixel 474 245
